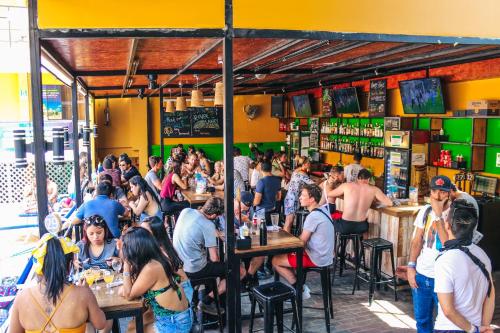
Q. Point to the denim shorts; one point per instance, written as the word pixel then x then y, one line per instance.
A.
pixel 178 323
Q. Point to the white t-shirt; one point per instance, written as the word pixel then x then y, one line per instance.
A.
pixel 351 172
pixel 432 244
pixel 456 273
pixel 256 176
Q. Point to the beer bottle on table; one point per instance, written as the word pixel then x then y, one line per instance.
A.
pixel 263 233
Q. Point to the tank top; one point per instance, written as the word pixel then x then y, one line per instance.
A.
pixel 168 190
pixel 48 319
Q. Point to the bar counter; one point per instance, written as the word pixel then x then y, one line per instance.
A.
pixel 394 224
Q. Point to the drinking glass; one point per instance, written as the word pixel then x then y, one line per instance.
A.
pixel 275 218
pixel 116 265
pixel 96 271
pixel 90 278
pixel 108 277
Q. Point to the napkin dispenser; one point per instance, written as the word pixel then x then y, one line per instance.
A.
pixel 244 243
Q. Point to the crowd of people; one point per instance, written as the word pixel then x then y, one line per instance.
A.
pixel 159 267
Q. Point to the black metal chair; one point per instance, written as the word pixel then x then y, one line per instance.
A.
pixel 272 297
pixel 300 217
pixel 377 246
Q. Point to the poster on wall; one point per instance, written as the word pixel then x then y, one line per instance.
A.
pixel 52 102
pixel 377 102
pixel 314 129
pixel 327 103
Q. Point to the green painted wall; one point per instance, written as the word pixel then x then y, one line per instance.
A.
pixel 215 151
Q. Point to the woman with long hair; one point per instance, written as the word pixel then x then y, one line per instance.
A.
pixel 148 272
pixel 157 228
pixel 146 203
pixel 204 162
pixel 170 203
pixel 54 304
pixel 97 246
pixel 299 177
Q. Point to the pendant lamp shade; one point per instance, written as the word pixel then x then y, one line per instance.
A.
pixel 180 104
pixel 219 94
pixel 196 98
pixel 170 106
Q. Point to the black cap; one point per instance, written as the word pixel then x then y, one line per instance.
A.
pixel 442 183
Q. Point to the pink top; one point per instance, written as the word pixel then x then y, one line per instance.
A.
pixel 168 188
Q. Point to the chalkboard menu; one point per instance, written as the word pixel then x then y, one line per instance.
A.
pixel 194 123
pixel 206 122
pixel 177 124
pixel 377 103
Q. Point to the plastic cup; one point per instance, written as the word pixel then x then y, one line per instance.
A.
pixel 275 218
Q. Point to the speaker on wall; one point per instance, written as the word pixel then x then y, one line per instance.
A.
pixel 277 107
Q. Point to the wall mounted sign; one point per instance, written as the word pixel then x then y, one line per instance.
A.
pixel 377 102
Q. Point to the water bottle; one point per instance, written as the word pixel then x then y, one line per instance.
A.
pixel 263 233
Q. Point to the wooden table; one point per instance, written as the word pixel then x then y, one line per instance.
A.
pixel 195 199
pixel 277 243
pixel 116 306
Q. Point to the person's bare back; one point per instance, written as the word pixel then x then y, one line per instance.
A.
pixel 358 198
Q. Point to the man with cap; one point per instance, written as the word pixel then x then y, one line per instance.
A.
pixel 243 208
pixel 429 236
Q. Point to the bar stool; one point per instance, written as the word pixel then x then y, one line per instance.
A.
pixel 210 283
pixel 272 296
pixel 377 246
pixel 340 252
pixel 326 291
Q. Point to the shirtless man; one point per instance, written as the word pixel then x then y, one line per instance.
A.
pixel 358 198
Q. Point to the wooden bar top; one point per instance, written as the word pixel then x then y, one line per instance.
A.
pixel 193 198
pixel 114 302
pixel 400 211
pixel 275 240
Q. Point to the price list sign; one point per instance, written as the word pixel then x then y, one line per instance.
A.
pixel 377 103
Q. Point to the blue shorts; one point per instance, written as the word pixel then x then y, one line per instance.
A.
pixel 178 323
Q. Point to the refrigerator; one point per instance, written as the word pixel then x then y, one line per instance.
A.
pixel 397 164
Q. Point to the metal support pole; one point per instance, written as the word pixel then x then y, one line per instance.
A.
pixel 37 116
pixel 162 144
pixel 89 148
pixel 150 131
pixel 233 306
pixel 76 148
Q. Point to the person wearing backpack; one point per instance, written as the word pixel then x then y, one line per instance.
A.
pixel 429 236
pixel 463 280
pixel 317 234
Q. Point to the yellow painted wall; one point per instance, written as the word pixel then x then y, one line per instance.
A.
pixel 461 18
pixel 127 132
pixel 261 129
pixel 130 14
pixel 10 97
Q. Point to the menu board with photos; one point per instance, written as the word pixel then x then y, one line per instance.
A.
pixel 377 102
pixel 314 131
